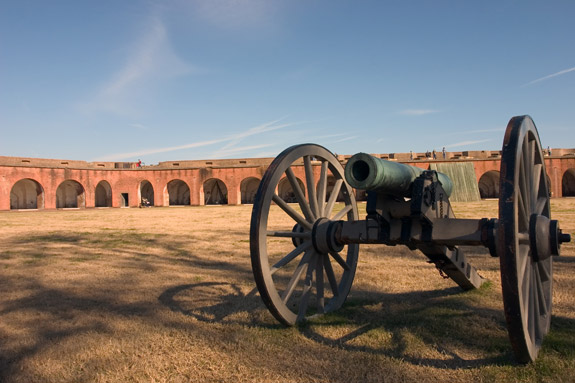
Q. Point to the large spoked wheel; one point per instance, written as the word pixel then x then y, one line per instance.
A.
pixel 523 238
pixel 300 271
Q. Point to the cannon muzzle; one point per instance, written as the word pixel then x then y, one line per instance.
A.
pixel 366 172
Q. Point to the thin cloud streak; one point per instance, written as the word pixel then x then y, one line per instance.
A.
pixel 344 139
pixel 467 143
pixel 234 139
pixel 151 61
pixel 483 131
pixel 560 73
pixel 141 153
pixel 417 112
pixel 240 149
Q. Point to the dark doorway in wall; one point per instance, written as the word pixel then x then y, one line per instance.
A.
pixel 146 193
pixel 568 183
pixel 248 189
pixel 178 193
pixel 215 192
pixel 125 202
pixel 103 194
pixel 70 194
pixel 489 184
pixel 27 194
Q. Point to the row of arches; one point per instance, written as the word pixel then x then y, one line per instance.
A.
pixel 29 194
pixel 489 184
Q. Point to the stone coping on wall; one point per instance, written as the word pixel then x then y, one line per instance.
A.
pixel 478 155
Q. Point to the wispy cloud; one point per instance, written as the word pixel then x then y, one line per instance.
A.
pixel 138 126
pixel 229 148
pixel 485 130
pixel 236 14
pixel 237 150
pixel 560 73
pixel 150 61
pixel 417 112
pixel 345 139
pixel 467 143
pixel 144 152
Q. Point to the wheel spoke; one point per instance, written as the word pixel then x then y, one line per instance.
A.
pixel 330 275
pixel 290 257
pixel 540 293
pixel 532 309
pixel 524 189
pixel 525 282
pixel 333 197
pixel 310 181
pixel 339 260
pixel 299 195
pixel 291 212
pixel 522 215
pixel 341 213
pixel 544 272
pixel 319 283
pixel 534 187
pixel 304 301
pixel 296 276
pixel 322 188
pixel 289 234
pixel 541 204
pixel 536 181
pixel 522 260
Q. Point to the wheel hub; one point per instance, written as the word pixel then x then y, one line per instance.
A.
pixel 324 236
pixel 545 237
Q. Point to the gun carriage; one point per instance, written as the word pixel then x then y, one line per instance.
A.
pixel 405 206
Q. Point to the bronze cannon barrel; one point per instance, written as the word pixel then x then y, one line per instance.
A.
pixel 366 172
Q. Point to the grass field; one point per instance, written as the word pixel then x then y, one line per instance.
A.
pixel 167 295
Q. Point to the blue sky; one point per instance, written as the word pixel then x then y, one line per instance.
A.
pixel 173 80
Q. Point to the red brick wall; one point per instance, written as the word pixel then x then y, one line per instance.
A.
pixel 128 180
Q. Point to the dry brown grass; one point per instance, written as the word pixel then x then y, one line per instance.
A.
pixel 166 295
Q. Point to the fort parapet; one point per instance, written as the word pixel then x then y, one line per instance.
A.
pixel 35 183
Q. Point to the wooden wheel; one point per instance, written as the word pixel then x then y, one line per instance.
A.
pixel 523 237
pixel 298 268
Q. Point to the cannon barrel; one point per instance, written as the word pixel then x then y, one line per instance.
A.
pixel 367 172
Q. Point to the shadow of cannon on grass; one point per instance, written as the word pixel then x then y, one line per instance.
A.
pixel 216 302
pixel 440 328
pixel 445 329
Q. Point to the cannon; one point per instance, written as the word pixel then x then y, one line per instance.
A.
pixel 304 259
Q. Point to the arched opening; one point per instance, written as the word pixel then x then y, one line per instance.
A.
pixel 146 193
pixel 27 194
pixel 103 194
pixel 248 189
pixel 215 192
pixel 70 194
pixel 568 183
pixel 286 192
pixel 489 184
pixel 178 193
